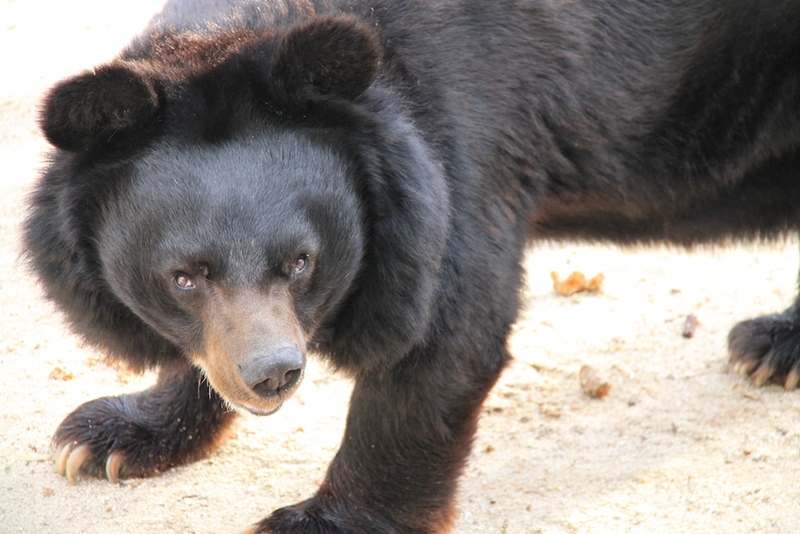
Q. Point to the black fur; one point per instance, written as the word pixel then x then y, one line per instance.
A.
pixel 378 168
pixel 325 58
pixel 117 107
pixel 180 420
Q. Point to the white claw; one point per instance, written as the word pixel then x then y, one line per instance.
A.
pixel 113 463
pixel 793 378
pixel 745 367
pixel 62 457
pixel 763 374
pixel 76 459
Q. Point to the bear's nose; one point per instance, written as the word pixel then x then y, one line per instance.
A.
pixel 268 374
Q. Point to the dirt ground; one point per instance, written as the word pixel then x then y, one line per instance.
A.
pixel 681 444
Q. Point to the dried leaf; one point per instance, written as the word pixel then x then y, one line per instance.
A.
pixel 592 384
pixel 60 374
pixel 576 283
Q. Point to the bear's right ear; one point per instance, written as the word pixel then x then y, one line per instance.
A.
pixel 99 107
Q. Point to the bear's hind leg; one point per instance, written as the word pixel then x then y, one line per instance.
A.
pixel 768 348
pixel 178 420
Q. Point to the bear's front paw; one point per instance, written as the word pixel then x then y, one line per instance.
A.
pixel 176 421
pixel 320 516
pixel 108 437
pixel 303 518
pixel 768 349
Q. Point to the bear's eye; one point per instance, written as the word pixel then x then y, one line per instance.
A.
pixel 301 263
pixel 183 281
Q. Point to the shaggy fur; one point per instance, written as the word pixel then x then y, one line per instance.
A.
pixel 250 180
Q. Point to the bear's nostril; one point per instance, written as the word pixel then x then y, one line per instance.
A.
pixel 268 375
pixel 265 388
pixel 271 386
pixel 291 378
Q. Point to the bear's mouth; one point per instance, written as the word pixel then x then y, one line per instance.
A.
pixel 254 351
pixel 254 409
pixel 241 398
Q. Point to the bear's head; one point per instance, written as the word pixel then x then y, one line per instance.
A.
pixel 236 205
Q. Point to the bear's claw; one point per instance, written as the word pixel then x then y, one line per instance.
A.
pixel 763 372
pixel 768 349
pixel 113 464
pixel 765 369
pixel 743 368
pixel 793 378
pixel 71 458
pixel 176 421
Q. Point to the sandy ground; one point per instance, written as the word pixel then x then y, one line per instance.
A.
pixel 680 445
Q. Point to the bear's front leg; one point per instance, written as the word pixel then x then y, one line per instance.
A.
pixel 177 421
pixel 409 434
pixel 768 348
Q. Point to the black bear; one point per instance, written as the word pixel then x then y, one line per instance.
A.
pixel 251 180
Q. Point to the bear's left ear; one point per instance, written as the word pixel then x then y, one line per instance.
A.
pixel 326 57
